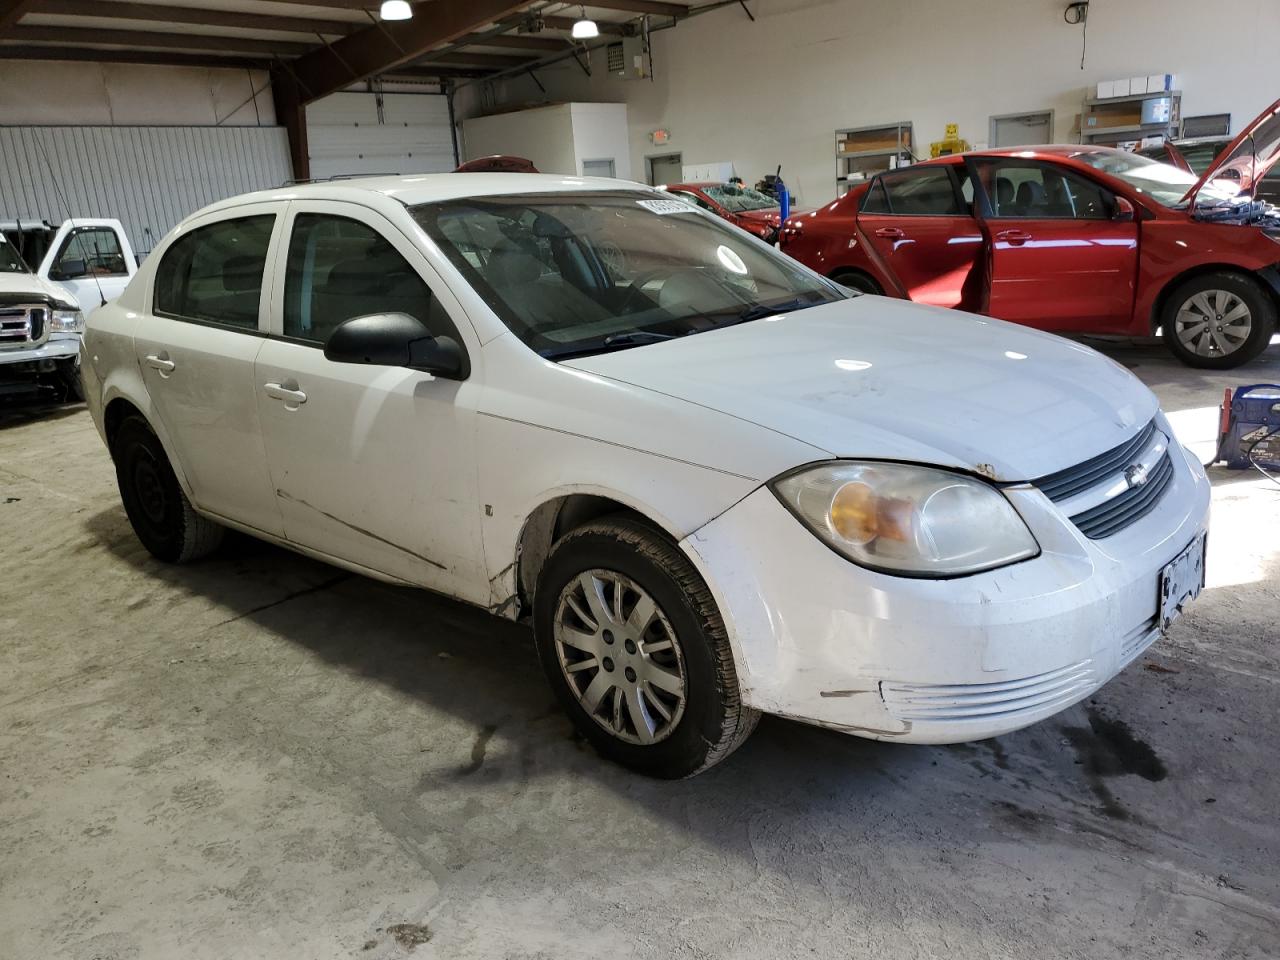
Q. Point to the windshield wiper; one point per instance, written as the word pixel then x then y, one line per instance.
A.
pixel 636 337
pixel 772 309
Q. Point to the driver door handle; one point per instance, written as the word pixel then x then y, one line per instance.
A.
pixel 161 362
pixel 1015 237
pixel 890 233
pixel 289 393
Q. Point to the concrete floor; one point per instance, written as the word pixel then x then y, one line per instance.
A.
pixel 261 756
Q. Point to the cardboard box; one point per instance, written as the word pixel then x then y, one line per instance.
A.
pixel 1162 82
pixel 1106 88
pixel 1137 84
pixel 1120 88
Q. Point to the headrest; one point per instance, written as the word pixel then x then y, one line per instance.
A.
pixel 510 266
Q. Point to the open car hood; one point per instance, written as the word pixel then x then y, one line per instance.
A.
pixel 1247 159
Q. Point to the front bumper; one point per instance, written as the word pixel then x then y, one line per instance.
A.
pixel 819 639
pixel 57 347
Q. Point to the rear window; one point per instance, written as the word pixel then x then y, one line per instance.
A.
pixel 214 273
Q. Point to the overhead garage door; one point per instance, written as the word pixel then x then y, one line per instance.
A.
pixel 369 133
pixel 149 178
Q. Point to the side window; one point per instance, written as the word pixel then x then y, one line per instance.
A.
pixel 922 193
pixel 875 200
pixel 90 252
pixel 214 273
pixel 339 269
pixel 1038 191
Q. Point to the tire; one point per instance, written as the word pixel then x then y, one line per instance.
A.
pixel 1215 296
pixel 856 280
pixel 707 720
pixel 161 515
pixel 66 380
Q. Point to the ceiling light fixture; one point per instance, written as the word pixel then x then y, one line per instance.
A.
pixel 585 28
pixel 395 10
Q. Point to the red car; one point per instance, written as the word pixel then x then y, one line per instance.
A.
pixel 1198 153
pixel 753 211
pixel 1074 239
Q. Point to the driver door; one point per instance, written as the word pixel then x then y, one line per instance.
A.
pixel 1058 255
pixel 373 465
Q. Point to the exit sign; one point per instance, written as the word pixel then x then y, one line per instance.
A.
pixel 660 137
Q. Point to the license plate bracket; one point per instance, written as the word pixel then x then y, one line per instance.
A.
pixel 1181 581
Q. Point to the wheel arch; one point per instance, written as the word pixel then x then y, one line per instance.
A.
pixel 1200 269
pixel 119 407
pixel 551 520
pixel 839 272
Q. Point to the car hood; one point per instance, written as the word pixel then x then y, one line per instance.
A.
pixel 1248 158
pixel 26 284
pixel 880 378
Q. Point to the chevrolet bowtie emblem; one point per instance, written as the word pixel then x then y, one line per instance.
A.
pixel 1135 475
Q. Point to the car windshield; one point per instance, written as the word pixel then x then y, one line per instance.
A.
pixel 1163 182
pixel 10 262
pixel 736 198
pixel 589 272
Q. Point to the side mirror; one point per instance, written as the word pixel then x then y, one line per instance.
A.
pixel 1125 210
pixel 69 270
pixel 396 340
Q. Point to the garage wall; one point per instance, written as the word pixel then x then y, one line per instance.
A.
pixel 558 139
pixel 149 178
pixel 110 94
pixel 773 91
pixel 366 132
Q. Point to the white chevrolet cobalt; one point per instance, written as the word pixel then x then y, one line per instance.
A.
pixel 718 484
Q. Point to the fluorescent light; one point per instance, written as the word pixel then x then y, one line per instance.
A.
pixel 585 29
pixel 395 10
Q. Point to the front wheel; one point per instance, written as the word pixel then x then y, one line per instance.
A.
pixel 159 511
pixel 636 651
pixel 1218 320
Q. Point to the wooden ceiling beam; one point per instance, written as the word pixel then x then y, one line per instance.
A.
pixel 381 48
pixel 73 36
pixel 658 7
pixel 157 57
pixel 162 13
pixel 566 23
pixel 523 41
pixel 11 11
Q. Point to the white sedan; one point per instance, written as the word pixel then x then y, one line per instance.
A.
pixel 716 483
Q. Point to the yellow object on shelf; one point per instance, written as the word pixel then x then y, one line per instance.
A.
pixel 950 143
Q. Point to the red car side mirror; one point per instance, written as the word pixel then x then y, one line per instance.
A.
pixel 1125 211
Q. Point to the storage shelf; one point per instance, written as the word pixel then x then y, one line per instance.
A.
pixel 855 154
pixel 1131 97
pixel 1128 128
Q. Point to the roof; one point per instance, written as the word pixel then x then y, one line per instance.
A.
pixel 431 188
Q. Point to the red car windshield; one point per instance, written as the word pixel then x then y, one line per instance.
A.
pixel 739 199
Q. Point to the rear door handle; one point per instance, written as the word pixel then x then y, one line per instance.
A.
pixel 1015 237
pixel 289 393
pixel 161 362
pixel 890 233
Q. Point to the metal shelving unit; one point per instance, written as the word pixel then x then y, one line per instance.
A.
pixel 1118 119
pixel 862 152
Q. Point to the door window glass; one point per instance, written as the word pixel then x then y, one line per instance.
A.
pixel 91 252
pixel 339 269
pixel 1038 191
pixel 922 193
pixel 876 200
pixel 214 273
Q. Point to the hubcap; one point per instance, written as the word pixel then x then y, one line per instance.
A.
pixel 150 489
pixel 620 656
pixel 1213 323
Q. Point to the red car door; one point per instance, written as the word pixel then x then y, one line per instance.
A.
pixel 918 229
pixel 1062 251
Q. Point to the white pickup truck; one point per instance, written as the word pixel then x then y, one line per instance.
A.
pixel 78 267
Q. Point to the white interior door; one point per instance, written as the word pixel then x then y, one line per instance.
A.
pixel 1022 129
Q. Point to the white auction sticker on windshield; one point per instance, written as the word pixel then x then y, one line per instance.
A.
pixel 663 207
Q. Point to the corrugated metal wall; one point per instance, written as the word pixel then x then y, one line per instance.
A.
pixel 346 134
pixel 149 178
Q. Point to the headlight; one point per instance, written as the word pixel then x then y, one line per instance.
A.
pixel 67 321
pixel 906 520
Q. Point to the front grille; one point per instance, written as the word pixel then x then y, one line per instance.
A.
pixel 1115 514
pixel 22 325
pixel 1067 483
pixel 1100 494
pixel 987 701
